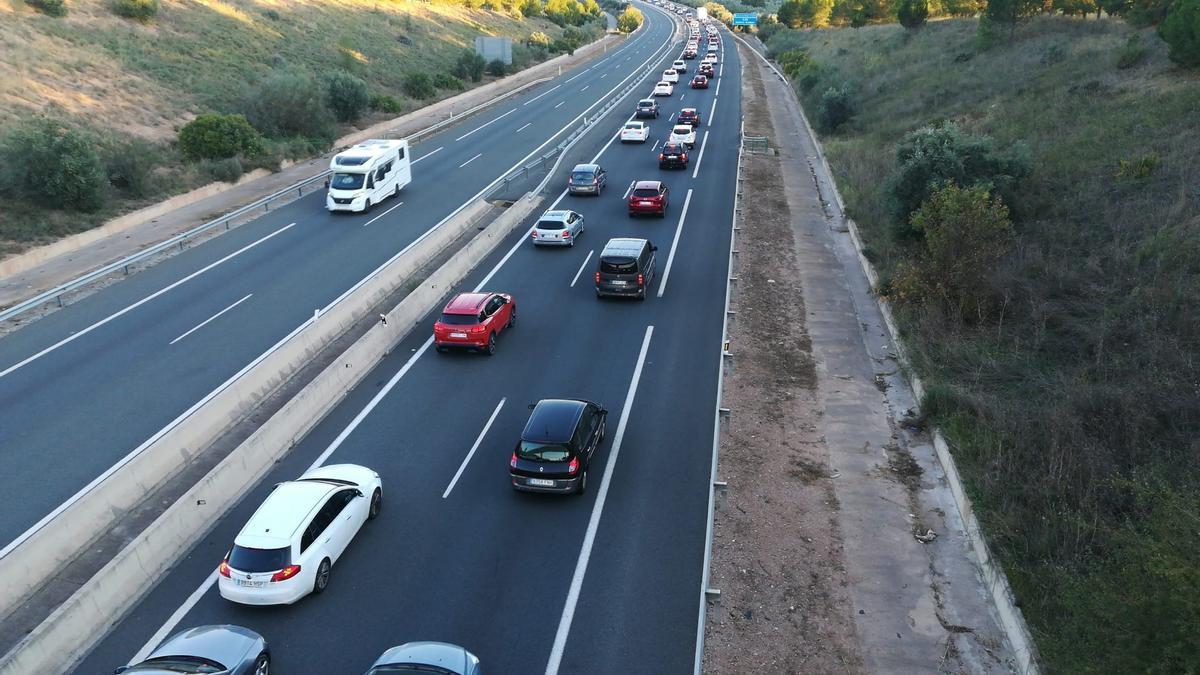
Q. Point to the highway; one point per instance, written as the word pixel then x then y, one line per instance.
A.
pixel 84 386
pixel 604 583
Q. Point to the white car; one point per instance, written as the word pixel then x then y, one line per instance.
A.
pixel 679 66
pixel 710 58
pixel 635 132
pixel 664 89
pixel 683 133
pixel 669 75
pixel 290 544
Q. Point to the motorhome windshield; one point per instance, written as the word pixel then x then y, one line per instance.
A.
pixel 347 181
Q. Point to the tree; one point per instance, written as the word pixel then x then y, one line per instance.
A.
pixel 346 96
pixel 1181 31
pixel 912 13
pixel 55 166
pixel 290 103
pixel 138 10
pixel 470 65
pixel 835 109
pixel 815 13
pixel 790 14
pixel 419 85
pixel 531 7
pixel 215 136
pixel 629 20
pixel 496 68
pixel 1008 12
pixel 962 7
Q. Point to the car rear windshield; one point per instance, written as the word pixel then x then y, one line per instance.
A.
pixel 347 181
pixel 645 192
pixel 614 265
pixel 459 319
pixel 580 176
pixel 645 104
pixel 259 559
pixel 558 224
pixel 543 452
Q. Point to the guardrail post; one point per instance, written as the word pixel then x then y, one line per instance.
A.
pixel 713 596
pixel 721 491
pixel 59 298
pixel 226 223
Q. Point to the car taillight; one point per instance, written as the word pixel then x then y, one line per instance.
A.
pixel 641 280
pixel 661 156
pixel 597 277
pixel 566 234
pixel 683 157
pixel 224 569
pixel 512 463
pixel 573 467
pixel 286 573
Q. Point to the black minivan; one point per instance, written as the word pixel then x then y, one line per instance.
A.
pixel 557 445
pixel 625 267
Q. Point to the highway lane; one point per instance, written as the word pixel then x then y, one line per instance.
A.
pixel 68 415
pixel 486 567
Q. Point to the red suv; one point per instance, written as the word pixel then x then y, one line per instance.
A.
pixel 648 196
pixel 473 320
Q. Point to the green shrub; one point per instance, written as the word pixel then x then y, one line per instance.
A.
pixel 226 170
pixel 448 81
pixel 215 136
pixel 538 38
pixel 138 10
pixel 129 165
pixel 49 164
pixel 346 95
pixel 290 103
pixel 419 85
pixel 49 7
pixel 271 14
pixel 386 104
pixel 913 13
pixel 497 68
pixel 470 65
pixel 629 20
pixel 1131 53
pixel 836 108
pixel 1181 31
pixel 1137 168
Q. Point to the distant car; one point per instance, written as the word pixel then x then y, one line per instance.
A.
pixel 688 116
pixel 635 132
pixel 436 658
pixel 699 82
pixel 706 69
pixel 709 59
pixel 683 133
pixel 689 53
pixel 669 75
pixel 664 89
pixel 626 267
pixel 227 650
pixel 473 320
pixel 673 156
pixel 288 547
pixel 649 196
pixel 557 445
pixel 647 107
pixel 679 66
pixel 587 179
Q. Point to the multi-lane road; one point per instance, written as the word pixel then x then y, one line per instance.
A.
pixel 607 582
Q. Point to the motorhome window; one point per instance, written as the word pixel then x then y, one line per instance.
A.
pixel 352 161
pixel 401 154
pixel 347 181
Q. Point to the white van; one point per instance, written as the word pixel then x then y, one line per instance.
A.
pixel 367 174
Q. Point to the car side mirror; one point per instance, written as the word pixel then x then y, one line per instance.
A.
pixel 120 670
pixel 653 247
pixel 532 406
pixel 358 493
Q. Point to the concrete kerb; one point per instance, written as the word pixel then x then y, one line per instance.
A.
pixel 74 627
pixel 1003 599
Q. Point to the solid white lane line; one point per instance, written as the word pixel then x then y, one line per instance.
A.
pixel 398 205
pixel 486 124
pixel 585 88
pixel 474 447
pixel 175 618
pixel 700 157
pixel 559 105
pixel 712 112
pixel 628 190
pixel 541 94
pixel 717 91
pixel 139 303
pixel 585 553
pixel 204 323
pixel 662 288
pixel 527 125
pixel 431 152
pixel 470 160
pixel 655 146
pixel 581 266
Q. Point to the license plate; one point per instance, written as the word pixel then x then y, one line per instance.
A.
pixel 458 335
pixel 618 283
pixel 647 203
pixel 541 482
pixel 248 583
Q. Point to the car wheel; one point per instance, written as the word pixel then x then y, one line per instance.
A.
pixel 322 580
pixel 262 665
pixel 376 504
pixel 367 208
pixel 512 319
pixel 440 349
pixel 642 296
pixel 582 483
pixel 571 244
pixel 491 345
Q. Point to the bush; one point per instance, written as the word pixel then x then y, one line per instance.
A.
pixel 346 96
pixel 49 164
pixel 938 154
pixel 835 109
pixel 912 13
pixel 1181 31
pixel 629 20
pixel 226 170
pixel 419 85
pixel 49 7
pixel 129 165
pixel 538 39
pixel 469 65
pixel 386 104
pixel 448 81
pixel 290 103
pixel 497 68
pixel 1131 53
pixel 215 136
pixel 138 10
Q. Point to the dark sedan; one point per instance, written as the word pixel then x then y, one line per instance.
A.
pixel 220 650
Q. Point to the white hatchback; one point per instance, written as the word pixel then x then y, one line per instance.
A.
pixel 683 133
pixel 290 544
pixel 664 89
pixel 635 132
pixel 669 75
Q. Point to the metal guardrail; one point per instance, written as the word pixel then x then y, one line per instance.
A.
pixel 123 265
pixel 756 144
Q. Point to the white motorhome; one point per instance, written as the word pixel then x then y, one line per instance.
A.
pixel 367 174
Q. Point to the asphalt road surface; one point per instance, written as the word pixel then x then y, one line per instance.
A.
pixel 604 583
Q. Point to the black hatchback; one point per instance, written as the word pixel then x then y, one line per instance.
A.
pixel 557 445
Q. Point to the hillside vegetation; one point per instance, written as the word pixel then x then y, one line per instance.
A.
pixel 122 78
pixel 1033 204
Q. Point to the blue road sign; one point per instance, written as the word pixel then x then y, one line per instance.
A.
pixel 745 19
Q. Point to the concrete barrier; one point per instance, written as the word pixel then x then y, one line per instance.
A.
pixel 76 625
pixel 62 534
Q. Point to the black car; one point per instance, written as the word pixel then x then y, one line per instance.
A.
pixel 673 156
pixel 647 107
pixel 626 268
pixel 557 445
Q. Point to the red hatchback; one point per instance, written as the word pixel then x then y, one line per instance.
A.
pixel 648 196
pixel 699 82
pixel 473 320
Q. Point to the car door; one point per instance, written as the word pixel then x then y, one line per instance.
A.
pixel 596 425
pixel 602 178
pixel 342 522
pixel 491 314
pixel 314 542
pixel 575 220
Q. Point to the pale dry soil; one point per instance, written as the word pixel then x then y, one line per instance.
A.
pixel 777 550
